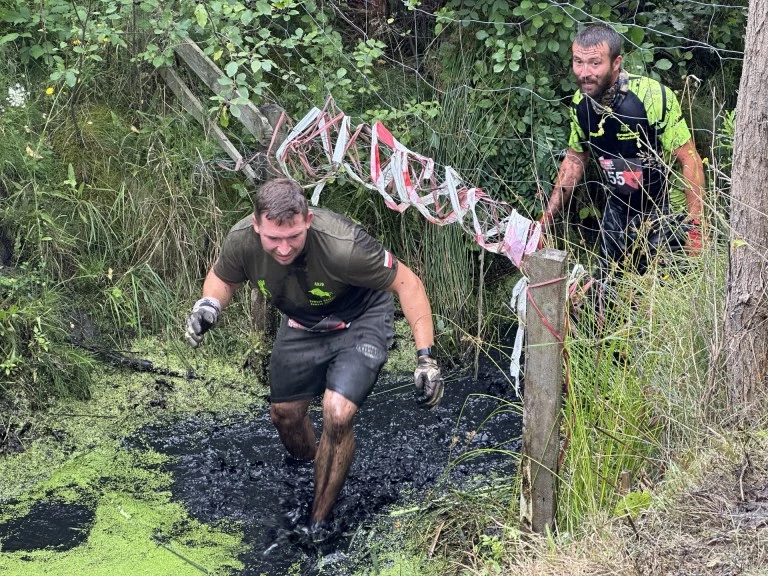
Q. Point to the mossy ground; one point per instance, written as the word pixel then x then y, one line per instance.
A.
pixel 78 456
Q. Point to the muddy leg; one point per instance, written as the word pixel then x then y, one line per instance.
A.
pixel 295 428
pixel 334 453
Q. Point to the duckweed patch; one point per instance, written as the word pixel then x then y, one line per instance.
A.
pixel 172 468
pixel 131 536
pixel 106 507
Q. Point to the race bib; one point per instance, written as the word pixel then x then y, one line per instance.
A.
pixel 624 175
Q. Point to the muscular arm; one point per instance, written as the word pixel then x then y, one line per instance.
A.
pixel 568 177
pixel 215 287
pixel 415 304
pixel 693 173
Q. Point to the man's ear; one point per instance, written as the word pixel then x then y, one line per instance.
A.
pixel 617 63
pixel 308 219
pixel 255 223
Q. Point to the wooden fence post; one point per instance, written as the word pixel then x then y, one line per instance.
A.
pixel 259 121
pixel 543 388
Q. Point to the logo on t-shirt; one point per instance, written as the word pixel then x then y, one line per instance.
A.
pixel 318 296
pixel 389 261
pixel 263 288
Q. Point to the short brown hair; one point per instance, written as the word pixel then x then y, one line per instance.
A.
pixel 280 200
pixel 598 34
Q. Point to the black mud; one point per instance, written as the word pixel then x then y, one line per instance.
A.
pixel 48 525
pixel 237 470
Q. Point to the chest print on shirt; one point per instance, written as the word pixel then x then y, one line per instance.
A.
pixel 263 288
pixel 318 296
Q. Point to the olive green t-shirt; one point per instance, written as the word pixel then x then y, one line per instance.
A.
pixel 337 273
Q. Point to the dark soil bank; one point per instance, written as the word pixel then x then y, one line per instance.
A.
pixel 238 470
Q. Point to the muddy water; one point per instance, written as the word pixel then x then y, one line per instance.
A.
pixel 49 525
pixel 237 470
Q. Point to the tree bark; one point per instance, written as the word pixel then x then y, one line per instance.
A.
pixel 746 325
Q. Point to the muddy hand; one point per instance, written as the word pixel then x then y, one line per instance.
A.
pixel 205 314
pixel 429 382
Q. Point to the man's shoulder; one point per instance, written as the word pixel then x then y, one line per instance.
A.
pixel 645 87
pixel 241 235
pixel 333 225
pixel 244 224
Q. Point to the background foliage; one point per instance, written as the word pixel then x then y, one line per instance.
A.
pixel 113 202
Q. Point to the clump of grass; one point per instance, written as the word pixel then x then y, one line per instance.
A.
pixel 37 358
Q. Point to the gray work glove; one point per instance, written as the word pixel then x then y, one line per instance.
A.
pixel 205 314
pixel 429 383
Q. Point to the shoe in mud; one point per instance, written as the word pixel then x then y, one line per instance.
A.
pixel 320 532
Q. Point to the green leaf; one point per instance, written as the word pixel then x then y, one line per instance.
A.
pixel 633 503
pixel 499 67
pixel 636 35
pixel 738 243
pixel 554 46
pixel 663 64
pixel 8 38
pixel 231 69
pixel 70 78
pixel 201 15
pixel 584 213
pixel 481 35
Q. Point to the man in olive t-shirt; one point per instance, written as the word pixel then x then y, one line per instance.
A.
pixel 334 284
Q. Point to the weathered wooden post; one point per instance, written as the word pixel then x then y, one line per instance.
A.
pixel 545 314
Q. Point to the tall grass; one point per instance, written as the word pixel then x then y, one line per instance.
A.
pixel 116 211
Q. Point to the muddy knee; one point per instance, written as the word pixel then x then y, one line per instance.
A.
pixel 286 417
pixel 338 416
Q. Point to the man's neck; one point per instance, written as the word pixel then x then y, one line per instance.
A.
pixel 608 98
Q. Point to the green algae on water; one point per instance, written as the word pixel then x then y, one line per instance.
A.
pixel 137 528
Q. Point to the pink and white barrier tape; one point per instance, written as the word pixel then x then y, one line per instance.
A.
pixel 322 145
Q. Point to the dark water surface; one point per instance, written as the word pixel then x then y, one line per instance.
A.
pixel 48 525
pixel 239 471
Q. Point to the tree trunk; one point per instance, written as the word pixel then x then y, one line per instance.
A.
pixel 746 325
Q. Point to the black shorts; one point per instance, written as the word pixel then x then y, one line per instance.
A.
pixel 348 361
pixel 633 241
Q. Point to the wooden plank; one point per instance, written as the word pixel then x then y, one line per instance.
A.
pixel 543 389
pixel 249 114
pixel 193 106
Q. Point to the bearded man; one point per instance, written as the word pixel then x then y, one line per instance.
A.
pixel 632 125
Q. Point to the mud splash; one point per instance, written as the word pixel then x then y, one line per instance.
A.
pixel 235 469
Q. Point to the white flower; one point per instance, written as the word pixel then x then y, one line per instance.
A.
pixel 17 96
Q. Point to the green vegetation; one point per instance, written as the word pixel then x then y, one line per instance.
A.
pixel 138 528
pixel 112 204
